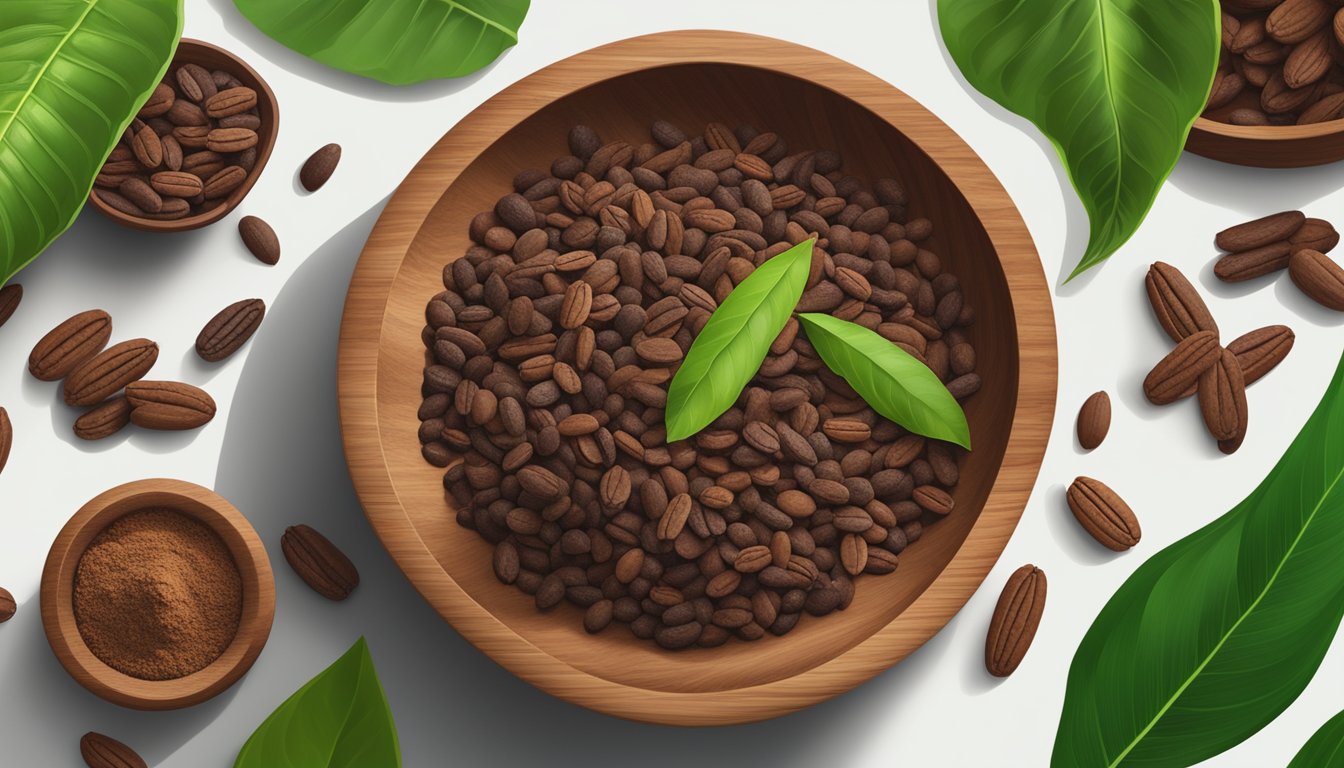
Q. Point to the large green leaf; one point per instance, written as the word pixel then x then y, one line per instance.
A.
pixel 73 73
pixel 1114 84
pixel 340 719
pixel 1325 749
pixel 1215 635
pixel 396 41
pixel 731 347
pixel 888 378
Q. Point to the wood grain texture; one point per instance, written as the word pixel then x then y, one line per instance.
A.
pixel 691 78
pixel 1285 146
pixel 58 584
pixel 213 57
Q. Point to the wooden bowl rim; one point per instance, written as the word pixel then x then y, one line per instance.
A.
pixel 187 50
pixel 386 248
pixel 1270 133
pixel 58 618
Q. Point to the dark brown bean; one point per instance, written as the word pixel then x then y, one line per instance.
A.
pixel 319 167
pixel 260 239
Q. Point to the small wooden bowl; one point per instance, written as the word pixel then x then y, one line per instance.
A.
pixel 58 580
pixel 691 78
pixel 1265 146
pixel 213 57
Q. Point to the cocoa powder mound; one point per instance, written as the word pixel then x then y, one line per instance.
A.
pixel 158 595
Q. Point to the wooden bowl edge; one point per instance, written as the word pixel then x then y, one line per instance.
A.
pixel 265 143
pixel 1289 146
pixel 253 631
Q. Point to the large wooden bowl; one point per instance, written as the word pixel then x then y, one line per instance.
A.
pixel 691 78
pixel 58 586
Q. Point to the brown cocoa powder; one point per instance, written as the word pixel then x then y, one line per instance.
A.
pixel 157 595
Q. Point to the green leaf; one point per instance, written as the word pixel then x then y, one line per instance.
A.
pixel 1325 749
pixel 895 384
pixel 1215 635
pixel 730 348
pixel 339 719
pixel 1114 84
pixel 73 73
pixel 396 41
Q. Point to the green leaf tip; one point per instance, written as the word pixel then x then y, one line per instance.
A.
pixel 339 719
pixel 1115 85
pixel 729 350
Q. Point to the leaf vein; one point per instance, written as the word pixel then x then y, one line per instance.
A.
pixel 42 71
pixel 1306 524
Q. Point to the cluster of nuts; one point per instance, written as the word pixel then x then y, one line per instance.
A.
pixel 191 145
pixel 1282 63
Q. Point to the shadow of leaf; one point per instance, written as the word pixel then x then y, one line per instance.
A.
pixel 1252 192
pixel 1078 227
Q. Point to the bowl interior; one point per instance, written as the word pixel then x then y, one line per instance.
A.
pixel 690 95
pixel 253 566
pixel 213 57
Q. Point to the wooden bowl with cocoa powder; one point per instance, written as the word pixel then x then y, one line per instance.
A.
pixel 691 78
pixel 212 57
pixel 242 543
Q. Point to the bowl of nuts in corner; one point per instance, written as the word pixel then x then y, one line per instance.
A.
pixel 1278 97
pixel 195 148
pixel 521 307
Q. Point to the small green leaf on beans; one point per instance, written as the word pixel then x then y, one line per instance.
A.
pixel 730 348
pixel 895 384
pixel 1325 749
pixel 395 41
pixel 339 719
pixel 1114 84
pixel 75 74
pixel 1214 636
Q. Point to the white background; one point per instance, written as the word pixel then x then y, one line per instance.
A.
pixel 275 449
